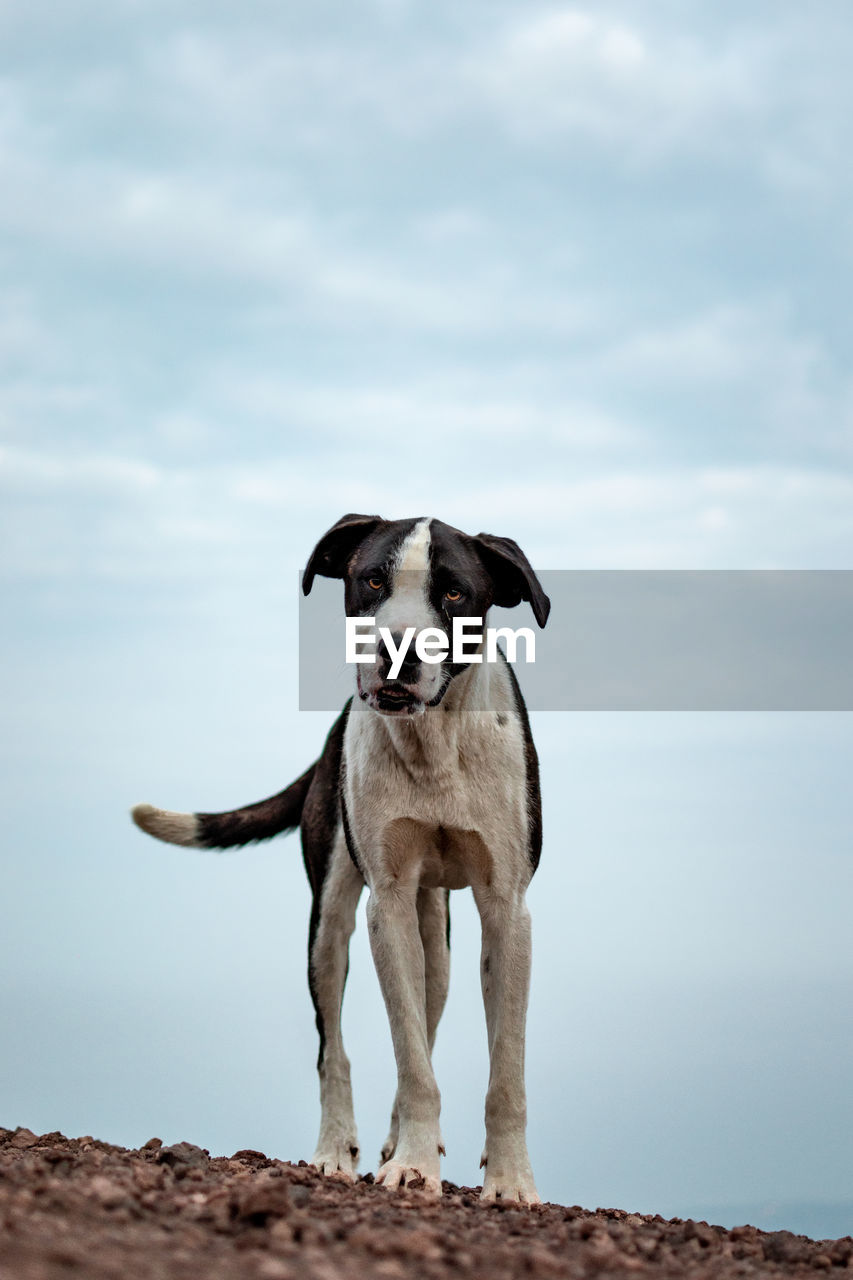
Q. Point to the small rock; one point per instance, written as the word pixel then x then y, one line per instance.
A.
pixel 153 1144
pixel 390 1269
pixel 255 1158
pixel 424 1243
pixel 51 1139
pixel 589 1228
pixel 23 1138
pixel 148 1176
pixel 183 1154
pixel 264 1197
pixel 59 1158
pixel 274 1269
pixel 106 1192
pixel 280 1236
pixel 783 1246
pixel 68 1255
pixel 603 1251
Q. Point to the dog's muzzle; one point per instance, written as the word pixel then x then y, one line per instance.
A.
pixel 392 698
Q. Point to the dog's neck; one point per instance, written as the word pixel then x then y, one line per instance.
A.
pixel 431 741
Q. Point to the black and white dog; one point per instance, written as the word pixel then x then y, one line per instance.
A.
pixel 427 782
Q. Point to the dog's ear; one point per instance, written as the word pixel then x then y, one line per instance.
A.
pixel 332 553
pixel 512 575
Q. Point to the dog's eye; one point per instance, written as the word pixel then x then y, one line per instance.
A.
pixel 374 583
pixel 453 595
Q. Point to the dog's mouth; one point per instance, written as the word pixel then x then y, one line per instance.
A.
pixel 392 699
pixel 395 698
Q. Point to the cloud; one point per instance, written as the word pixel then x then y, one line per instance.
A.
pixel 428 417
pixel 584 72
pixel 726 343
pixel 40 472
pixel 780 378
pixel 187 296
pixel 206 232
pixel 77 520
pixel 759 93
pixel 21 331
pixel 744 517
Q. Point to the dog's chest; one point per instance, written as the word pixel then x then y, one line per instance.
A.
pixel 445 803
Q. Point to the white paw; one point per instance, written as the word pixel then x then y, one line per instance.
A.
pixel 507 1181
pixel 337 1159
pixel 424 1174
pixel 389 1146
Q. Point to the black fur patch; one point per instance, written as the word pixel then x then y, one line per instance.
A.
pixel 260 821
pixel 320 818
pixel 321 814
pixel 374 560
pixel 348 835
pixel 455 568
pixel 531 761
pixel 335 549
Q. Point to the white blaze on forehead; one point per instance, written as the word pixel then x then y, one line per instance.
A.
pixel 406 611
pixel 407 603
pixel 414 553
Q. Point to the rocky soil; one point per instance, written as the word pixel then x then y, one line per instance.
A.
pixel 79 1207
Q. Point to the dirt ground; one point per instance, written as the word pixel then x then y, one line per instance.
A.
pixel 79 1207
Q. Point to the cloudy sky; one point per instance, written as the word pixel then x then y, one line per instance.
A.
pixel 576 275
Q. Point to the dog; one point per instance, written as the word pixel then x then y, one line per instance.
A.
pixel 428 782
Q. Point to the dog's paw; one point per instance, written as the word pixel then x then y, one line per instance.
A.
pixel 508 1183
pixel 512 1190
pixel 395 1173
pixel 337 1160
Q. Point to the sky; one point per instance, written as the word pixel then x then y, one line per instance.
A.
pixel 577 275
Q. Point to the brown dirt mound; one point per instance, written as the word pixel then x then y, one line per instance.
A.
pixel 78 1206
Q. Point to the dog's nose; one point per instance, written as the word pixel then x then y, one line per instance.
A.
pixel 411 661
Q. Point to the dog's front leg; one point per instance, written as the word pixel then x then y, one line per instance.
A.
pixel 434 926
pixel 505 978
pixel 398 954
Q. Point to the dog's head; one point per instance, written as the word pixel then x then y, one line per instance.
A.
pixel 419 574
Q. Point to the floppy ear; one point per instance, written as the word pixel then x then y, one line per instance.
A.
pixel 511 574
pixel 332 553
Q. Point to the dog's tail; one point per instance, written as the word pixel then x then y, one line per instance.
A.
pixel 281 812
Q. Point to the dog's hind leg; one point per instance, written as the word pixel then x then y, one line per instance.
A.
pixel 332 923
pixel 505 980
pixel 434 927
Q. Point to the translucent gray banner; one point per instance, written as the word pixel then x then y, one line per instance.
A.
pixel 705 640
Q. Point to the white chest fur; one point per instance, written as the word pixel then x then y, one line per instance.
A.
pixel 434 798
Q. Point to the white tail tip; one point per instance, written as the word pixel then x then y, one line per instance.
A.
pixel 174 828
